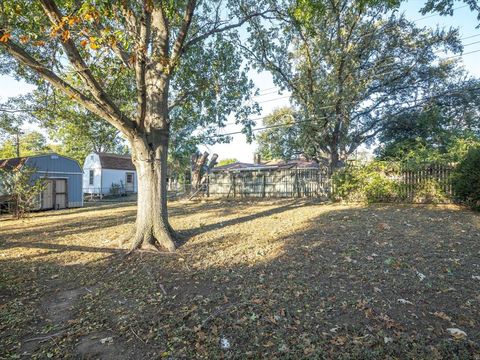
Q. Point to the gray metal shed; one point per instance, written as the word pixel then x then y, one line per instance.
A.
pixel 63 179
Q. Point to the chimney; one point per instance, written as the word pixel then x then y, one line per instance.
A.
pixel 256 158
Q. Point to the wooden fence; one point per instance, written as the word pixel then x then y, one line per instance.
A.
pixel 413 183
pixel 270 183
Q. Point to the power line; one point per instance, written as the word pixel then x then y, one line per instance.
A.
pixel 326 118
pixel 393 63
pixel 375 31
pixel 331 106
pixel 379 74
pixel 434 15
pixel 267 93
pixel 287 96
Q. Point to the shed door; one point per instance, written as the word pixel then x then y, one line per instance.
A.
pixel 47 195
pixel 60 193
pixel 130 176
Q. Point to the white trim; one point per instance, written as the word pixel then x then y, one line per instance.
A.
pixel 129 170
pixel 59 172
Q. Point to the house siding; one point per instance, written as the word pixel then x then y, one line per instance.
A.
pixel 92 162
pixel 111 176
pixel 103 178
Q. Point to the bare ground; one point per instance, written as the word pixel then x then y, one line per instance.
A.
pixel 273 279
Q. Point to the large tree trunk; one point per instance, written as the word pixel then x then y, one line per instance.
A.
pixel 334 161
pixel 152 226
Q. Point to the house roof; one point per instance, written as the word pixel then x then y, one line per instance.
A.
pixel 116 162
pixel 234 166
pixel 296 163
pixel 268 165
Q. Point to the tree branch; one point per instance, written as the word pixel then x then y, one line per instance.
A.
pixel 216 29
pixel 26 59
pixel 144 29
pixel 74 57
pixel 182 34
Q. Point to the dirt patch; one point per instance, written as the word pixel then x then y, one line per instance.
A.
pixel 102 345
pixel 58 307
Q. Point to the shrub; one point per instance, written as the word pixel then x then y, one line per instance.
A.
pixel 115 189
pixel 466 179
pixel 429 191
pixel 381 181
pixel 21 188
pixel 366 183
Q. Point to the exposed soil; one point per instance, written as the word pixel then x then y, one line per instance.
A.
pixel 269 279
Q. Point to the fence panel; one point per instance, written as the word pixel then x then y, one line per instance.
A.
pixel 270 183
pixel 281 183
pixel 435 176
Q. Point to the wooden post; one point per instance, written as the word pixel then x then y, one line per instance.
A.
pixel 264 184
pixel 297 183
pixel 208 185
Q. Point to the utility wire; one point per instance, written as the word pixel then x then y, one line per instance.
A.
pixel 331 106
pixel 390 72
pixel 434 15
pixel 413 21
pixel 425 100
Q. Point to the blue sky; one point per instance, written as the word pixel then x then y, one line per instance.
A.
pixel 463 19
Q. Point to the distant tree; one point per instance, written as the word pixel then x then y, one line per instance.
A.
pixel 349 67
pixel 443 129
pixel 21 188
pixel 10 131
pixel 29 143
pixel 282 138
pixel 226 162
pixel 74 130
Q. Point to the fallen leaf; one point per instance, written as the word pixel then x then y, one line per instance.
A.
pixel 442 315
pixel 106 340
pixel 387 339
pixel 457 333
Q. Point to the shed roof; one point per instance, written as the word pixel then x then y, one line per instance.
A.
pixel 116 162
pixel 17 162
pixel 12 163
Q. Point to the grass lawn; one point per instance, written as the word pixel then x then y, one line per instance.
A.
pixel 270 279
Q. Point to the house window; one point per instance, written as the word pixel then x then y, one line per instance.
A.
pixel 90 180
pixel 129 178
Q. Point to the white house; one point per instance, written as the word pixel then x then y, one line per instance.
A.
pixel 109 174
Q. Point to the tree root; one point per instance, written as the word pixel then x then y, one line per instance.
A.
pixel 159 241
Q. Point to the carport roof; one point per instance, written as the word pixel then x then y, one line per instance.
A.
pixel 12 163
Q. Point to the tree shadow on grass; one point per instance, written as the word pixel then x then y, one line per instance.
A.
pixel 66 227
pixel 60 247
pixel 184 235
pixel 332 290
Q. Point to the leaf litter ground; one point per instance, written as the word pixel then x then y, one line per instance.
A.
pixel 269 279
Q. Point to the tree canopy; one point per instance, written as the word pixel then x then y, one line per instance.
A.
pixel 443 129
pixel 350 68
